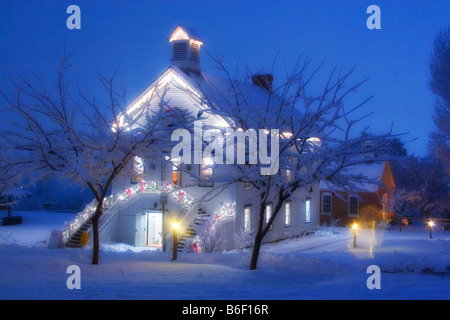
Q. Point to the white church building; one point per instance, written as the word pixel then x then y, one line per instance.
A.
pixel 141 210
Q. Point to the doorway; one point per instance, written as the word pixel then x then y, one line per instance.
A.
pixel 154 229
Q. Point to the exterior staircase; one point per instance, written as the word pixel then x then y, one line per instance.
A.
pixel 82 223
pixel 75 239
pixel 185 241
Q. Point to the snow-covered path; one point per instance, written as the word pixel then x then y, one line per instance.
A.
pixel 320 266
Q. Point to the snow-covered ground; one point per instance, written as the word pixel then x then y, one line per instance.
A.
pixel 320 266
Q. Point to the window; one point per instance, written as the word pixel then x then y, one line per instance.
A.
pixel 207 167
pixel 269 214
pixel 326 203
pixel 289 176
pixel 206 172
pixel 247 218
pixel 287 208
pixel 353 206
pixel 308 210
pixel 138 170
pixel 176 174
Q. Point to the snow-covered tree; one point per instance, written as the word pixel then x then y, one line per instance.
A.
pixel 11 189
pixel 210 235
pixel 403 201
pixel 315 131
pixel 61 133
pixel 426 177
pixel 439 142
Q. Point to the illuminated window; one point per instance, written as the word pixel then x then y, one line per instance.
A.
pixel 288 176
pixel 248 218
pixel 326 203
pixel 308 210
pixel 268 214
pixel 138 166
pixel 287 209
pixel 207 167
pixel 176 174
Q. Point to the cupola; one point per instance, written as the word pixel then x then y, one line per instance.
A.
pixel 186 49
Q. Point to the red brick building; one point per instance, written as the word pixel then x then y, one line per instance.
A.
pixel 368 205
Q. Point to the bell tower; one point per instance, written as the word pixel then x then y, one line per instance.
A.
pixel 186 49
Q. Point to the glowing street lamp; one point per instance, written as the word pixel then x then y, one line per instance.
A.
pixel 354 227
pixel 431 225
pixel 175 226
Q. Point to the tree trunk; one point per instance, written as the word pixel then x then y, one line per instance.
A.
pixel 255 253
pixel 258 237
pixel 9 206
pixel 95 233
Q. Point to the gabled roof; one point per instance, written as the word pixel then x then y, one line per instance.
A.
pixel 372 171
pixel 210 91
pixel 184 33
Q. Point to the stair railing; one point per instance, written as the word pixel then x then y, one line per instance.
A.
pixel 142 187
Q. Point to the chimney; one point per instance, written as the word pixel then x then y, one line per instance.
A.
pixel 263 80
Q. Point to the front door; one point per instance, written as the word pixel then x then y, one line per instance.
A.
pixel 154 237
pixel 141 230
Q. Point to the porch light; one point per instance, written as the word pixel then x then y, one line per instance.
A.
pixel 431 225
pixel 354 227
pixel 175 226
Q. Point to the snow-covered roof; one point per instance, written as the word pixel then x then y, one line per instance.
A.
pixel 218 93
pixel 186 31
pixel 250 101
pixel 365 172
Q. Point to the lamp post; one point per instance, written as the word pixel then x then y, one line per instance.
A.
pixel 431 225
pixel 163 200
pixel 175 240
pixel 354 227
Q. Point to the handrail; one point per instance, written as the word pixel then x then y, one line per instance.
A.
pixel 142 187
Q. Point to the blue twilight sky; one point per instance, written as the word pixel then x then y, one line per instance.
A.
pixel 134 34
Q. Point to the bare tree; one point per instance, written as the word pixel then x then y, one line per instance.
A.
pixel 316 136
pixel 62 133
pixel 11 189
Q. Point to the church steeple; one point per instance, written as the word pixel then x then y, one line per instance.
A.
pixel 186 49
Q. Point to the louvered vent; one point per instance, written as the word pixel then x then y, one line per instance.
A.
pixel 180 51
pixel 195 51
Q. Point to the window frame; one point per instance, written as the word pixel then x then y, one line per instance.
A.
pixel 308 210
pixel 350 214
pixel 323 212
pixel 247 220
pixel 206 176
pixel 288 217
pixel 267 218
